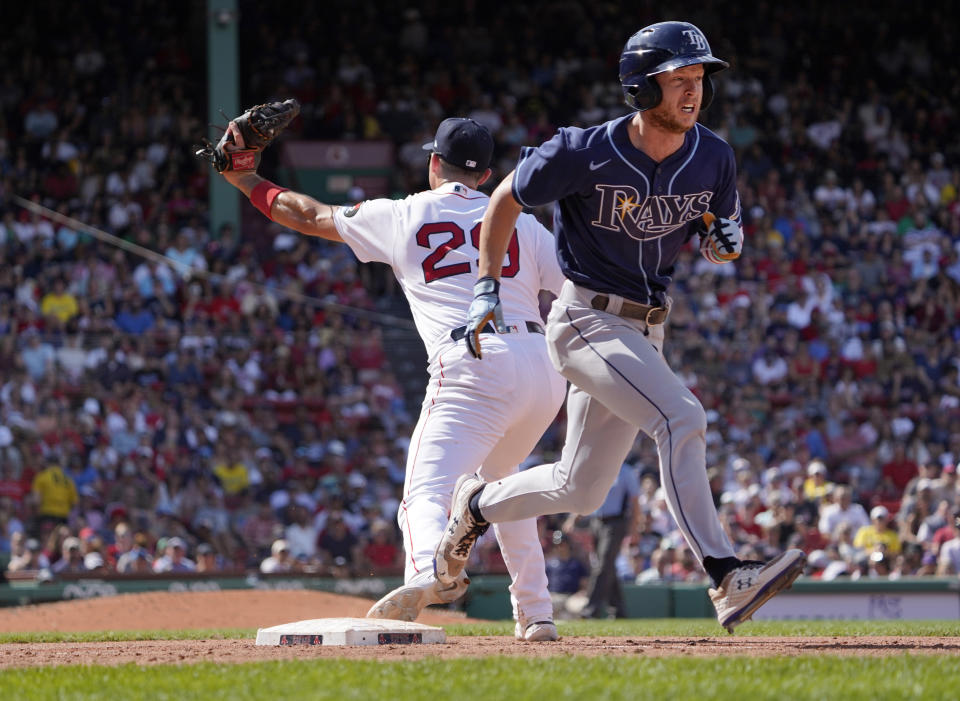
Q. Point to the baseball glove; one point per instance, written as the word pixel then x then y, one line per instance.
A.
pixel 258 127
pixel 722 241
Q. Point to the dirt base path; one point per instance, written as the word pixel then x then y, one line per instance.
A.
pixel 245 609
pixel 150 652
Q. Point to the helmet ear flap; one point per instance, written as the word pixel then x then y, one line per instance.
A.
pixel 642 94
pixel 707 93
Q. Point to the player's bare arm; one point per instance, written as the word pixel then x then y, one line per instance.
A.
pixel 498 224
pixel 293 210
pixel 237 155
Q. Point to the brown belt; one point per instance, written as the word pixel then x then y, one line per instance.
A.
pixel 632 310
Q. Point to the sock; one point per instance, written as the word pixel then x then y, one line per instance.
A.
pixel 718 567
pixel 475 507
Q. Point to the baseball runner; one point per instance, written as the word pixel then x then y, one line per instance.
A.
pixel 630 194
pixel 489 415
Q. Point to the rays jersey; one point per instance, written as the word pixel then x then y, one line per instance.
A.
pixel 621 218
pixel 430 240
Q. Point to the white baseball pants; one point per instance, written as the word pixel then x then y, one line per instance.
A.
pixel 620 383
pixel 487 414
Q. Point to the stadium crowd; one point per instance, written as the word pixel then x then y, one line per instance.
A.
pixel 156 421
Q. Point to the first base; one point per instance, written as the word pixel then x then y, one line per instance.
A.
pixel 350 631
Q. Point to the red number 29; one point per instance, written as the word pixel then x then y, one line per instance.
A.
pixel 432 270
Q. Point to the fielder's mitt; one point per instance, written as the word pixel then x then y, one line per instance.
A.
pixel 258 126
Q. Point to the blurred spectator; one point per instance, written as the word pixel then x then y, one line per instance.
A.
pixel 897 472
pixel 381 555
pixel 31 559
pixel 71 559
pixel 566 572
pixel 816 486
pixel 878 533
pixel 208 561
pixel 136 560
pixel 842 509
pixel 54 494
pixel 336 541
pixel 174 558
pixel 259 530
pixel 280 559
pixel 94 563
pixel 662 566
pixel 302 533
pixel 948 562
pixel 37 356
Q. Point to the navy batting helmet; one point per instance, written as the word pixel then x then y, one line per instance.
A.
pixel 662 47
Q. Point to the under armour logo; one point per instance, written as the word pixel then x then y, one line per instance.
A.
pixel 697 39
pixel 744 583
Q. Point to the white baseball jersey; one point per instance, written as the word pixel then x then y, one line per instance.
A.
pixel 430 240
pixel 483 417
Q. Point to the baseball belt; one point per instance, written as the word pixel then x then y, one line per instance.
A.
pixel 632 310
pixel 532 327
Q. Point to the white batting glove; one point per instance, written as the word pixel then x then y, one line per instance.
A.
pixel 485 308
pixel 723 240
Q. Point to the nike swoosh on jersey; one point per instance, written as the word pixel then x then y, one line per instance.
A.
pixel 594 166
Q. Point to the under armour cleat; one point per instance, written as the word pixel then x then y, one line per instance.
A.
pixel 536 632
pixel 752 584
pixel 461 533
pixel 407 602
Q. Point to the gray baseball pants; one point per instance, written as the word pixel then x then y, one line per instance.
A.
pixel 620 383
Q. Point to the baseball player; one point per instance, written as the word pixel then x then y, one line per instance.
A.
pixel 489 415
pixel 630 194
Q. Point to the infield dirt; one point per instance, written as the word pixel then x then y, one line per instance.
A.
pixel 245 609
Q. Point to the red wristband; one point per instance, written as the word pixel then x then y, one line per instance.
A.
pixel 264 194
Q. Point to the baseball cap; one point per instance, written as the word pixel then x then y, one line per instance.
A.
pixel 176 542
pixel 741 464
pixel 816 468
pixel 464 143
pixel 879 512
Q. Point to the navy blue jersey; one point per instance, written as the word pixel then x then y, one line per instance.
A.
pixel 622 218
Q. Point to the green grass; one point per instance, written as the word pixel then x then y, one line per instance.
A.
pixel 901 676
pixel 708 627
pixel 503 679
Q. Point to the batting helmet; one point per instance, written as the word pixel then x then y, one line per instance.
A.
pixel 662 47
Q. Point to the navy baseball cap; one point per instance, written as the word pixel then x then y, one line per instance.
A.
pixel 463 143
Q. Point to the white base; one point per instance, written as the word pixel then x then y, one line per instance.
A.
pixel 350 631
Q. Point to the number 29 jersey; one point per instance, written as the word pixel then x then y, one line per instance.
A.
pixel 430 240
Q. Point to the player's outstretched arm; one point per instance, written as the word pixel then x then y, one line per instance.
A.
pixel 498 224
pixel 293 210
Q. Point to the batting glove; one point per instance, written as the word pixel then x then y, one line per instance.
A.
pixel 484 308
pixel 723 240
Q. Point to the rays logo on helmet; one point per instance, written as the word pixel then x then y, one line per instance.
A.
pixel 695 37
